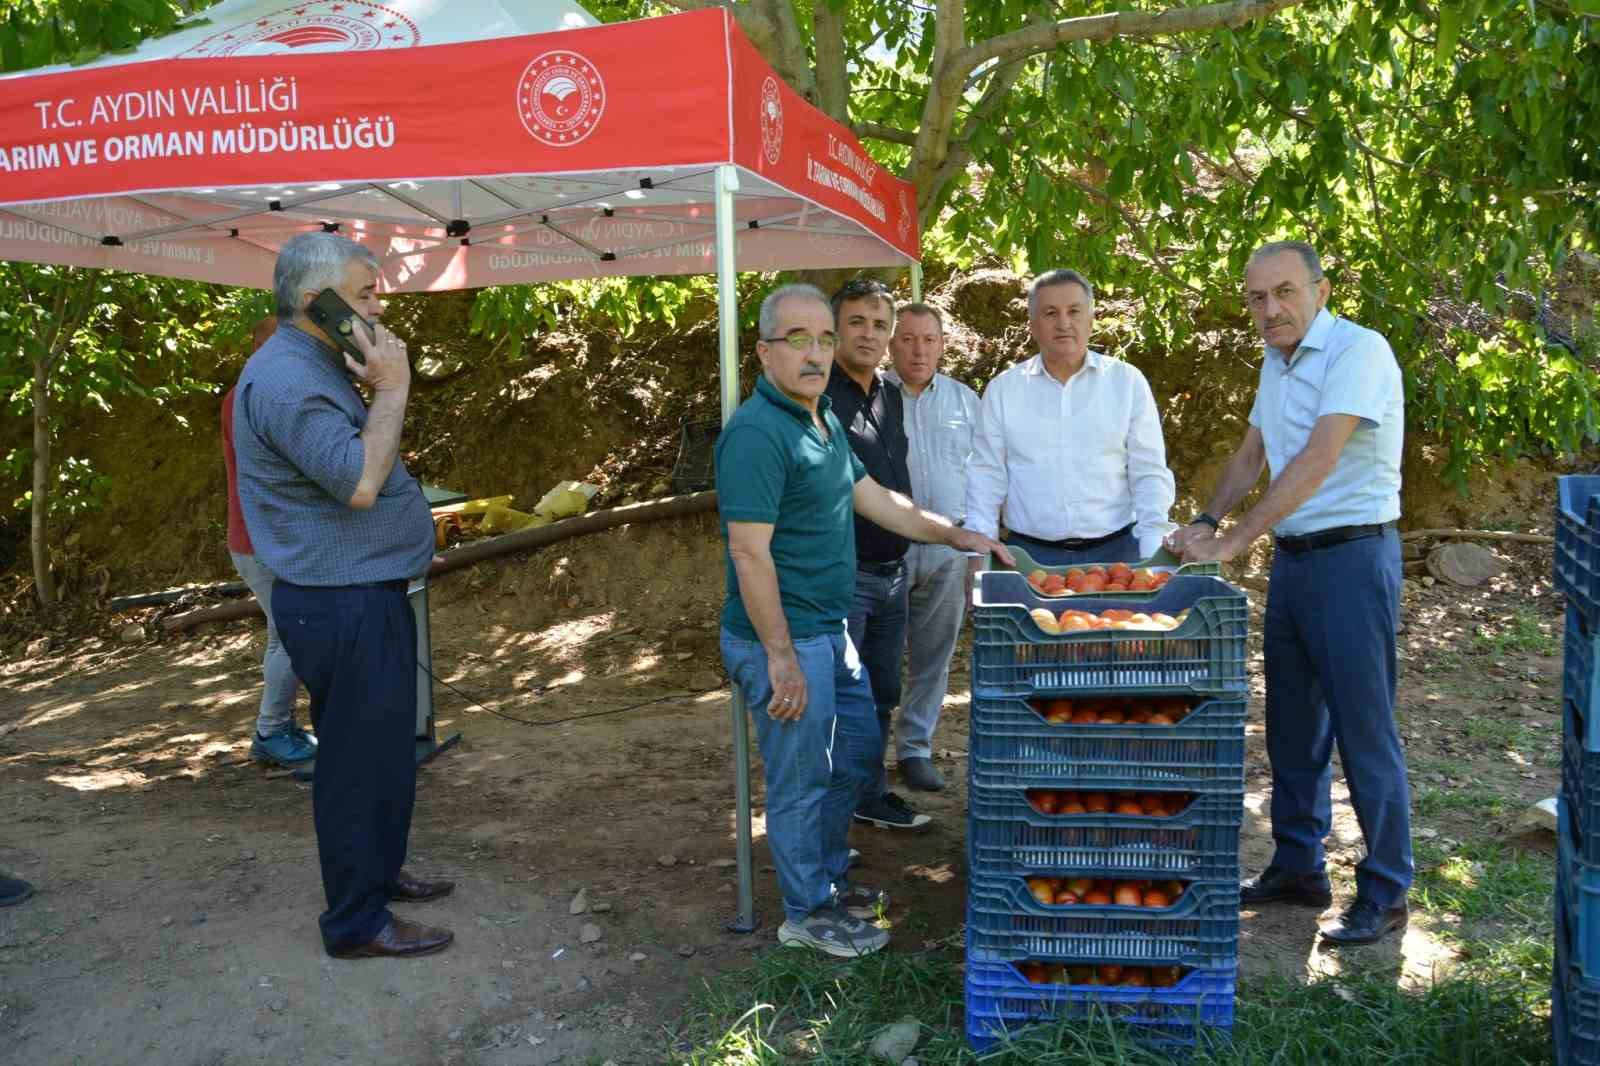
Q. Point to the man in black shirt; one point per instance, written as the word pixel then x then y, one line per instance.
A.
pixel 873 415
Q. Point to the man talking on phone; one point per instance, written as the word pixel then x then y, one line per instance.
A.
pixel 334 514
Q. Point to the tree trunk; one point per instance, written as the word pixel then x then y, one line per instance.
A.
pixel 38 539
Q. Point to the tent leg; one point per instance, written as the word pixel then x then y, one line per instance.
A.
pixel 916 283
pixel 728 348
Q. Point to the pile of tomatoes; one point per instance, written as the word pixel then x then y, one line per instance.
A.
pixel 1155 711
pixel 1108 973
pixel 1101 892
pixel 1144 804
pixel 1070 621
pixel 1118 577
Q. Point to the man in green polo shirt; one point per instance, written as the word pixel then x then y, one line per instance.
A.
pixel 788 486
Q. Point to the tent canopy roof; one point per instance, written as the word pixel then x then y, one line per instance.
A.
pixel 582 152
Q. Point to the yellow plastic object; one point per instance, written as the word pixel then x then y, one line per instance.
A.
pixel 565 500
pixel 474 507
pixel 500 519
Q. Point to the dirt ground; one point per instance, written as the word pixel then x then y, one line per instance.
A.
pixel 178 887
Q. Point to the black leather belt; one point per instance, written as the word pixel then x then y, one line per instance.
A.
pixel 1323 538
pixel 889 569
pixel 1072 544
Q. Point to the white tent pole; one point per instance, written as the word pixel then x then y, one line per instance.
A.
pixel 728 348
pixel 916 283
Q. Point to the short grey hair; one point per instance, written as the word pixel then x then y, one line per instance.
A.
pixel 919 308
pixel 1050 279
pixel 797 290
pixel 1308 255
pixel 310 261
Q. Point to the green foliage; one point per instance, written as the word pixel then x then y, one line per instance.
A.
pixel 34 33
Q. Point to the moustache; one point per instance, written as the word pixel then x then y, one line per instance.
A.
pixel 809 371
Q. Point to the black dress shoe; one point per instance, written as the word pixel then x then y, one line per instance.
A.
pixel 1366 922
pixel 408 889
pixel 399 939
pixel 921 775
pixel 1277 885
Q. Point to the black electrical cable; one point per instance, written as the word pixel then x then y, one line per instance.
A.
pixel 560 721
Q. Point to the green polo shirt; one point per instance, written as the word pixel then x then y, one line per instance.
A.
pixel 774 467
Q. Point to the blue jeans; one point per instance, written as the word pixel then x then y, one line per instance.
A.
pixel 816 767
pixel 1125 549
pixel 355 647
pixel 877 625
pixel 278 693
pixel 1330 657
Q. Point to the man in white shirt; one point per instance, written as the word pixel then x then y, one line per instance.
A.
pixel 1329 423
pixel 1070 443
pixel 941 416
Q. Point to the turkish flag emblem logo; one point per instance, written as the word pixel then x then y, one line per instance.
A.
pixel 560 98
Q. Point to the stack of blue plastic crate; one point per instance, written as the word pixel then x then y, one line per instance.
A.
pixel 1575 993
pixel 1013 749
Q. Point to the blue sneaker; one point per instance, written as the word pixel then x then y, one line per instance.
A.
pixel 304 734
pixel 285 749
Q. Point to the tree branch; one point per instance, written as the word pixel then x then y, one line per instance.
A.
pixel 833 79
pixel 1030 40
pixel 879 132
pixel 1140 234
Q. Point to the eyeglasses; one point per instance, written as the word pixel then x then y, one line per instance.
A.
pixel 1257 299
pixel 800 341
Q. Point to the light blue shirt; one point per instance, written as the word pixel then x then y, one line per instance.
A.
pixel 940 424
pixel 1340 368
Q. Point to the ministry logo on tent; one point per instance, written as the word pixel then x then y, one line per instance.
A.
pixel 771 120
pixel 560 98
pixel 330 26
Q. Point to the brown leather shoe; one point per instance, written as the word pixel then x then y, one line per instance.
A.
pixel 400 939
pixel 408 889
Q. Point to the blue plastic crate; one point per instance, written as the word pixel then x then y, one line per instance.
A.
pixel 1577 678
pixel 1010 746
pixel 1012 656
pixel 1577 555
pixel 1006 924
pixel 1000 1001
pixel 1580 788
pixel 1574 999
pixel 1007 837
pixel 1578 885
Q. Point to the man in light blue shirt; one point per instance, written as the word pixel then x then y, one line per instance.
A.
pixel 1328 420
pixel 941 415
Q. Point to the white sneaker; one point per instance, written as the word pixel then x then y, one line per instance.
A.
pixel 835 931
pixel 862 902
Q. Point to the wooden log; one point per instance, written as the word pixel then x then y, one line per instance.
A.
pixel 1477 534
pixel 508 544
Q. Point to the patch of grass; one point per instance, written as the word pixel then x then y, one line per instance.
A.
pixel 792 1007
pixel 1498 732
pixel 1498 904
pixel 1523 632
pixel 1431 801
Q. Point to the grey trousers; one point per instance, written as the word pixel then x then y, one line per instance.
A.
pixel 937 603
pixel 278 693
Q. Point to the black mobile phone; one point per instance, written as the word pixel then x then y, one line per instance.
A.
pixel 339 321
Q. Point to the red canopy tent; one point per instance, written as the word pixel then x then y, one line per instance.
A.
pixel 462 149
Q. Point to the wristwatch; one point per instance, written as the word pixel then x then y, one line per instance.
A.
pixel 1206 518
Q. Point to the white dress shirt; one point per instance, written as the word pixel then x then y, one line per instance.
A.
pixel 1077 460
pixel 940 425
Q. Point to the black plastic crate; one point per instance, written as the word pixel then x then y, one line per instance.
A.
pixel 1577 554
pixel 1006 924
pixel 1010 746
pixel 1000 1001
pixel 1007 837
pixel 1012 656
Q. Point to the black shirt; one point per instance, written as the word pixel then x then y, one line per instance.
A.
pixel 875 422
